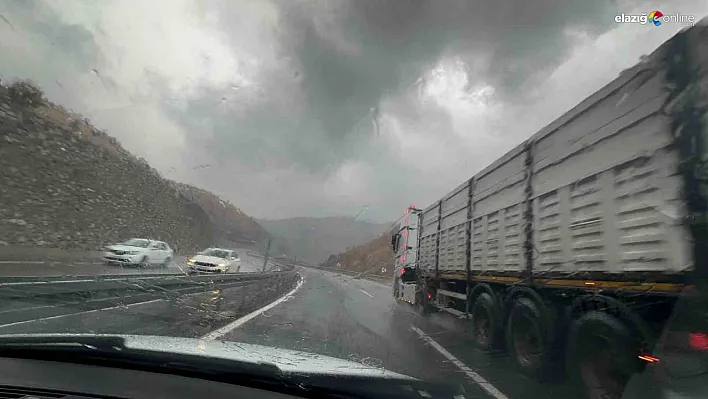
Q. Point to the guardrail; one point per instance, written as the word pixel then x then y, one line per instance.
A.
pixel 25 287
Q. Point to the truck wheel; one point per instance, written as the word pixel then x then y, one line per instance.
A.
pixel 485 319
pixel 601 355
pixel 422 302
pixel 527 337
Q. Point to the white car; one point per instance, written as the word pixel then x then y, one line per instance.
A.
pixel 214 260
pixel 141 252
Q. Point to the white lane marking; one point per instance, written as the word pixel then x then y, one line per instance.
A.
pixel 486 385
pixel 220 332
pixel 366 293
pixel 17 323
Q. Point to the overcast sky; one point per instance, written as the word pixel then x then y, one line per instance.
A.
pixel 319 108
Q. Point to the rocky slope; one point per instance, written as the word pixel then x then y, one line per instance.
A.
pixel 65 184
pixel 315 239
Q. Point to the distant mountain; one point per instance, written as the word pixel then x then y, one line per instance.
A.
pixel 315 239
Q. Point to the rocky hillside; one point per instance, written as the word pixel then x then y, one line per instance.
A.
pixel 65 184
pixel 374 257
pixel 314 239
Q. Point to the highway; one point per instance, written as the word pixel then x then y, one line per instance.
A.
pixel 325 313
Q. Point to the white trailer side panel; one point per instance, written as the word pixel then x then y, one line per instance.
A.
pixel 498 214
pixel 606 185
pixel 453 243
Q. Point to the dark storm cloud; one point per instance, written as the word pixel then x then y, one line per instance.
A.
pixel 341 87
pixel 342 58
pixel 521 41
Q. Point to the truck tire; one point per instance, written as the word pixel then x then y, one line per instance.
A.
pixel 527 337
pixel 485 321
pixel 422 303
pixel 601 355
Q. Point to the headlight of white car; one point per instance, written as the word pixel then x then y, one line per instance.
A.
pixel 191 261
pixel 222 264
pixel 133 252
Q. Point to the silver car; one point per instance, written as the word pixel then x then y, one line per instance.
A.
pixel 214 260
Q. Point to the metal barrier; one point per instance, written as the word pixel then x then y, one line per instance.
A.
pixel 17 288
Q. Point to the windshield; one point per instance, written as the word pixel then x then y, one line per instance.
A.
pixel 137 242
pixel 216 252
pixel 507 197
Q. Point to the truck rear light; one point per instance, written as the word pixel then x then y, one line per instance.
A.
pixel 649 359
pixel 698 341
pixel 686 341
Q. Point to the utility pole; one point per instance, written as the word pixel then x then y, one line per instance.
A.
pixel 265 260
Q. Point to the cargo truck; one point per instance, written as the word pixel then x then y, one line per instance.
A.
pixel 570 251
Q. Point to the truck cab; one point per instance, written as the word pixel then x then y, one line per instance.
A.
pixel 404 243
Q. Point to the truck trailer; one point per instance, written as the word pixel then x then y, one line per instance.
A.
pixel 570 251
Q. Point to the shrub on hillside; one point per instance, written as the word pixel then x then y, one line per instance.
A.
pixel 26 93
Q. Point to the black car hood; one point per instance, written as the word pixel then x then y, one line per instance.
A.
pixel 286 360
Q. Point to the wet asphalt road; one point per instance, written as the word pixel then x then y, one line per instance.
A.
pixel 340 316
pixel 331 314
